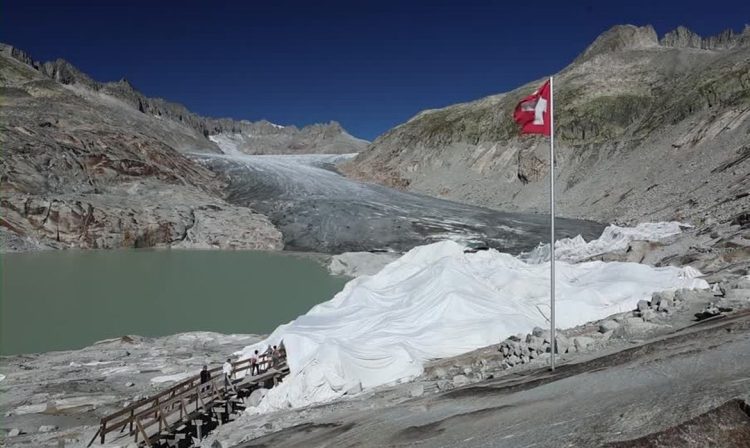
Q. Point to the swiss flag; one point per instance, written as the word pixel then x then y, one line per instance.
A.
pixel 533 112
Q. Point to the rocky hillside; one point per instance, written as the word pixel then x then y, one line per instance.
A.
pixel 249 137
pixel 83 168
pixel 646 128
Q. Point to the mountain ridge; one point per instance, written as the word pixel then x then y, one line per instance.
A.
pixel 624 94
pixel 293 139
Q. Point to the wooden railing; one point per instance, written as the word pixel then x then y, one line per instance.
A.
pixel 184 398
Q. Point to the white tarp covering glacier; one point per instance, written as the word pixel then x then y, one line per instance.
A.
pixel 437 301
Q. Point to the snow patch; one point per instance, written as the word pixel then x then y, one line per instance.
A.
pixel 227 144
pixel 437 301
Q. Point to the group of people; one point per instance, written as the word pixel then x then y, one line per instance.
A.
pixel 277 354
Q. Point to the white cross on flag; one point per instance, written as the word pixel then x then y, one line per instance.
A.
pixel 533 112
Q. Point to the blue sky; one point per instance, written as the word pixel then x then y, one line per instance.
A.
pixel 367 64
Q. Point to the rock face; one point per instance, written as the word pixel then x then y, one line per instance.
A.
pixel 645 130
pixel 81 168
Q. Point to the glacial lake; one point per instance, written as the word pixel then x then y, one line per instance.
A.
pixel 60 300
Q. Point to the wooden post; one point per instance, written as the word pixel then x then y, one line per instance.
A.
pixel 94 438
pixel 198 426
pixel 103 430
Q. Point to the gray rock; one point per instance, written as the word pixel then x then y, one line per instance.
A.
pixel 648 315
pixel 416 390
pixel 643 305
pixel 14 432
pixel 444 385
pixel 460 380
pixel 563 343
pixel 665 306
pixel 537 331
pixel 691 295
pixel 581 343
pixel 256 396
pixel 440 373
pixel 535 343
pixel 607 326
pixel 47 428
pixel 129 384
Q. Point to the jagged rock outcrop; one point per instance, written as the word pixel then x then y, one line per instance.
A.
pixel 82 169
pixel 251 137
pixel 644 130
pixel 682 37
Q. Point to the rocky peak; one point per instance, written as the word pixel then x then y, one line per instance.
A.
pixel 683 37
pixel 621 38
pixel 19 55
pixel 64 72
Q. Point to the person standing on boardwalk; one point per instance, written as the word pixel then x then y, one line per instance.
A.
pixel 205 375
pixel 228 370
pixel 254 367
pixel 275 357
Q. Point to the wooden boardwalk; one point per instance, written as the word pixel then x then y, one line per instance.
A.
pixel 189 409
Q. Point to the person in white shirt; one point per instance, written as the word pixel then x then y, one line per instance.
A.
pixel 254 367
pixel 228 370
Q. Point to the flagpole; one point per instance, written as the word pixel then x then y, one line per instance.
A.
pixel 552 221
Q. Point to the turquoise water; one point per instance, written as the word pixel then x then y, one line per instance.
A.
pixel 69 299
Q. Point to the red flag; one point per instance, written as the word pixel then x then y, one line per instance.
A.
pixel 533 112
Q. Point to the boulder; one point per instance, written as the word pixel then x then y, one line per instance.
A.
pixel 256 396
pixel 444 385
pixel 416 390
pixel 648 315
pixel 47 428
pixel 440 373
pixel 535 343
pixel 14 432
pixel 581 343
pixel 607 326
pixel 691 295
pixel 460 380
pixel 643 305
pixel 537 331
pixel 658 297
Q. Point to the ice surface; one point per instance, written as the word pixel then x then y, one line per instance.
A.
pixel 437 301
pixel 613 238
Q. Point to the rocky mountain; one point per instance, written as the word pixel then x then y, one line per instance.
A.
pixel 83 168
pixel 260 137
pixel 264 137
pixel 646 129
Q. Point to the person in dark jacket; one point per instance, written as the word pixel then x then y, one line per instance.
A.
pixel 205 375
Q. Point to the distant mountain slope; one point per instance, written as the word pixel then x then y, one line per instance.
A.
pixel 646 129
pixel 248 137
